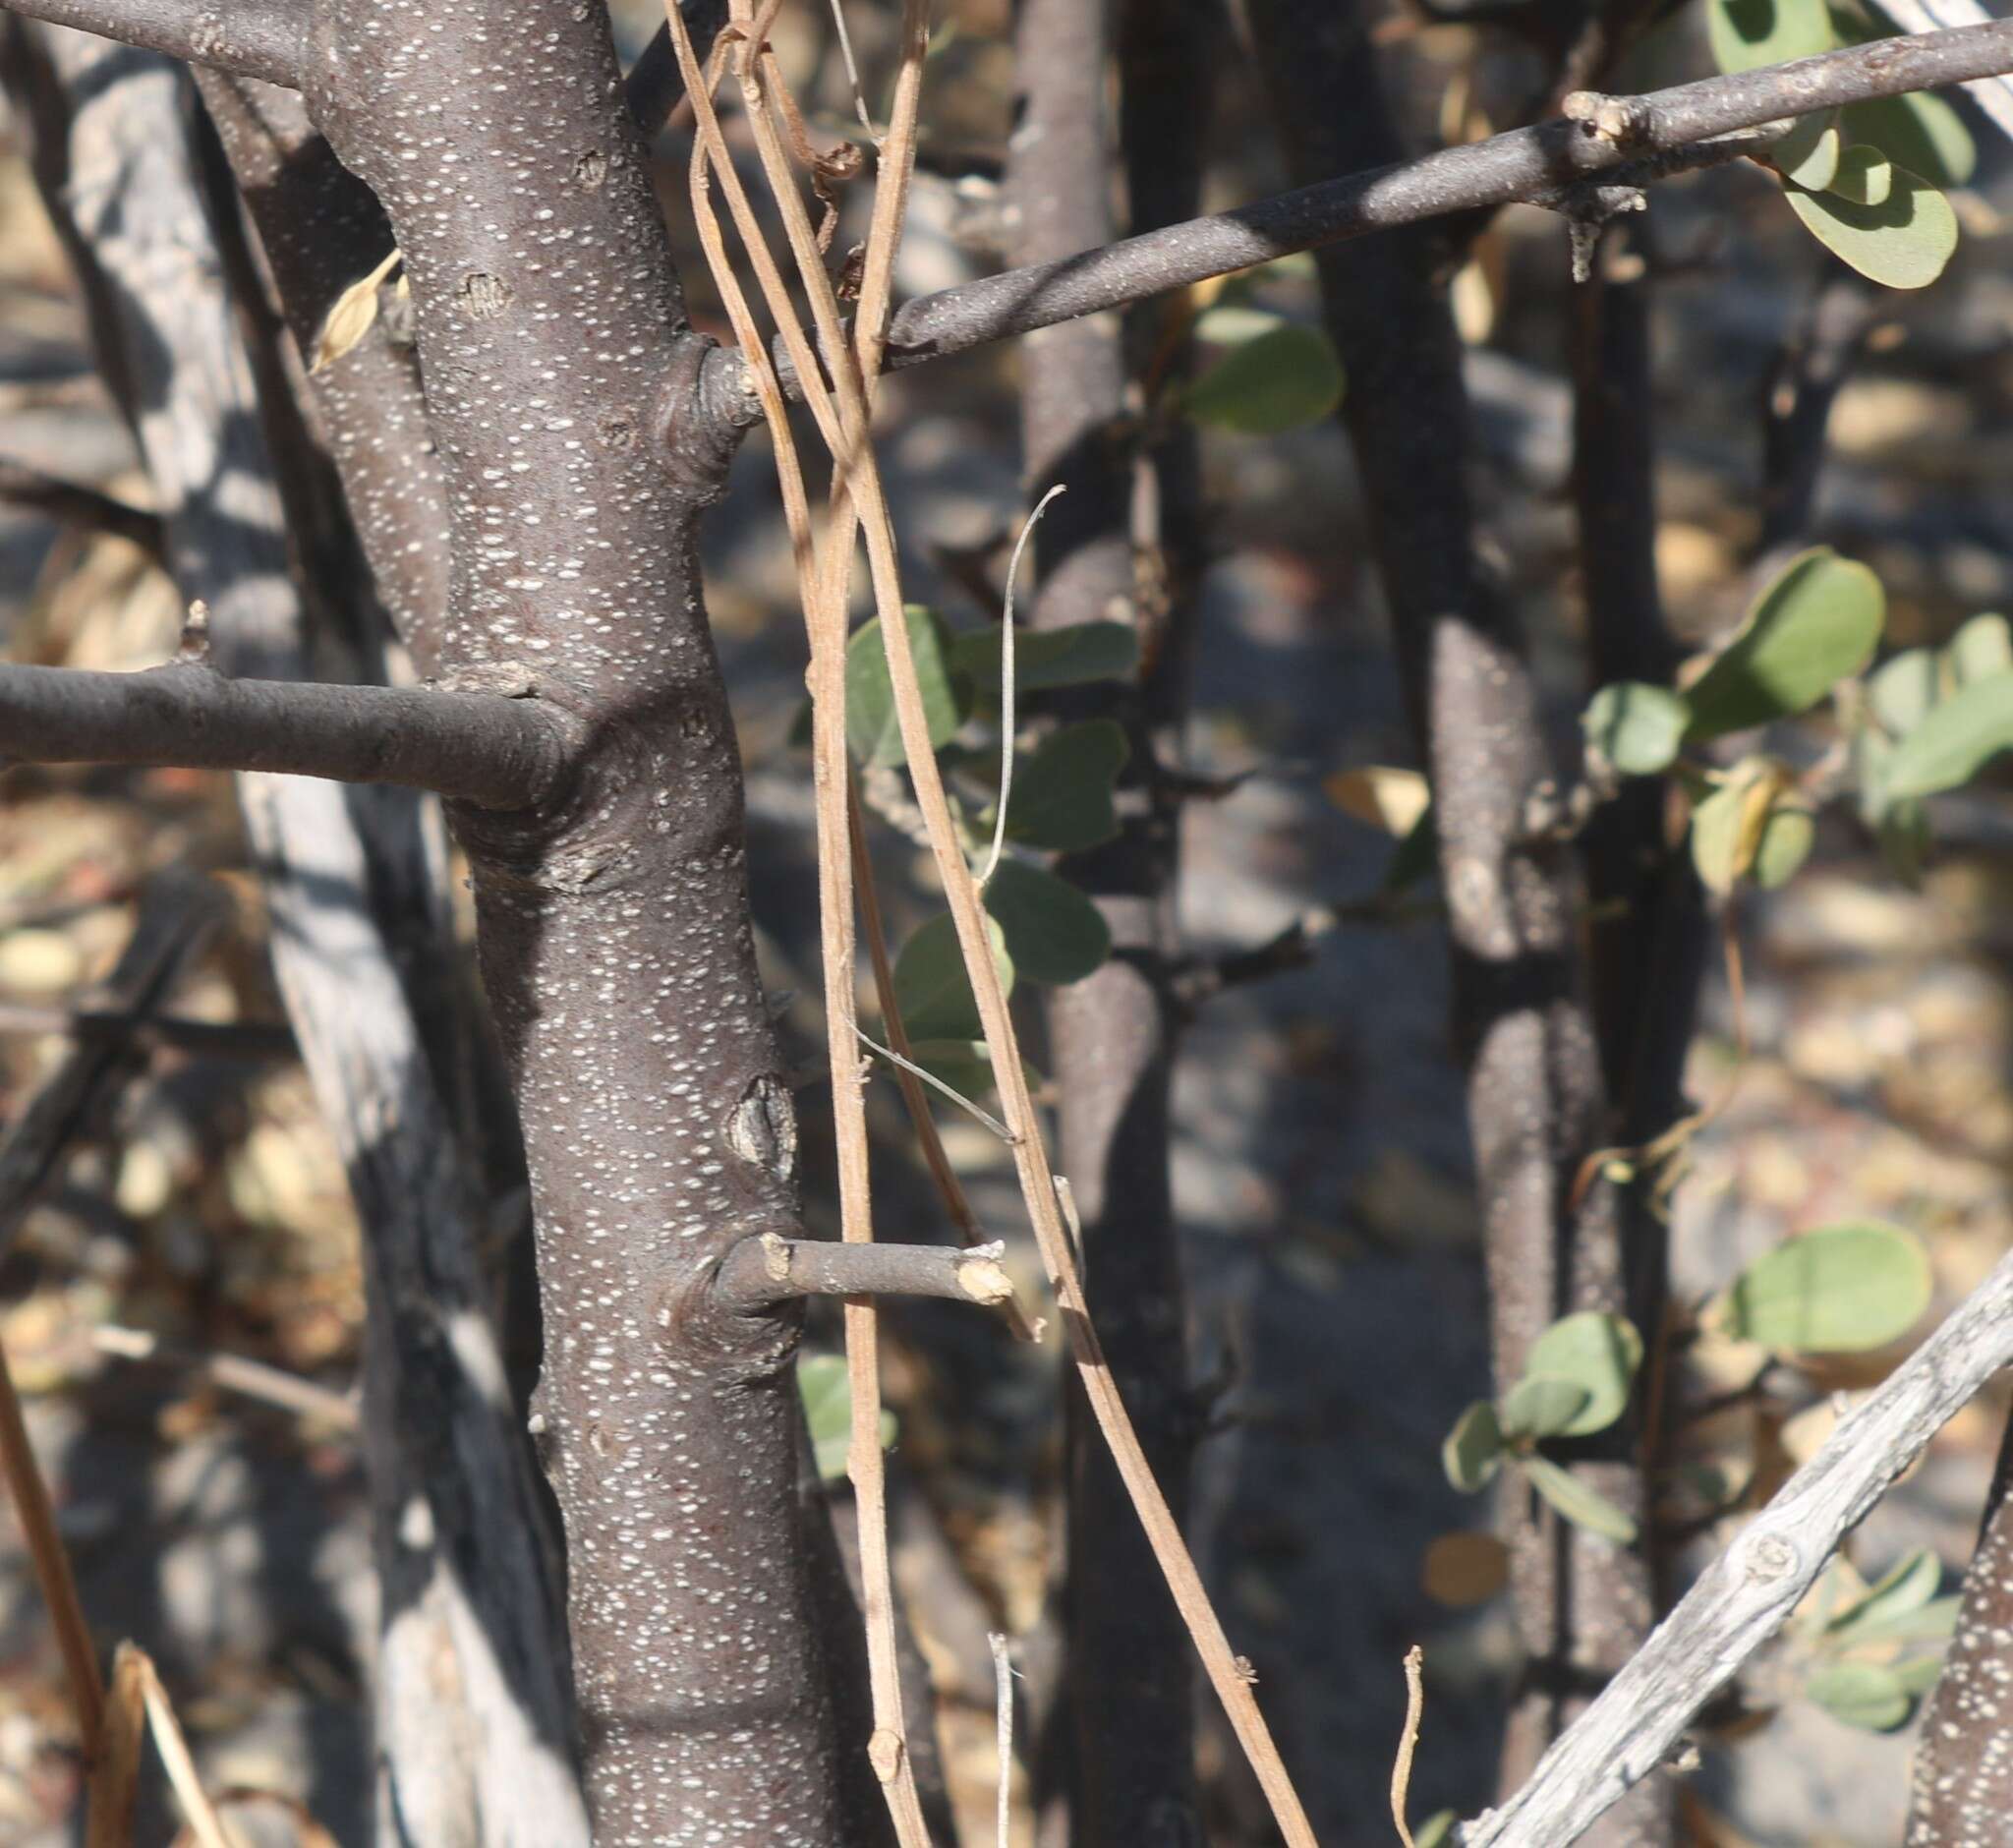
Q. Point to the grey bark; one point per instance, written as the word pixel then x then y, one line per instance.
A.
pixel 1536 1103
pixel 467 1604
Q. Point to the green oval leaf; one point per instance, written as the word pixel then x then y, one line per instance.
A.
pixel 1807 155
pixel 1906 1589
pixel 1062 796
pixel 1839 1290
pixel 1787 837
pixel 1919 132
pixel 1473 1450
pixel 1749 34
pixel 1981 647
pixel 1585 1506
pixel 871 727
pixel 1861 173
pixel 932 987
pixel 1902 690
pixel 828 1412
pixel 1597 1352
pixel 1817 622
pixel 1902 243
pixel 1860 1693
pixel 1956 740
pixel 1541 1407
pixel 1053 933
pixel 1072 656
pixel 1637 727
pixel 1279 381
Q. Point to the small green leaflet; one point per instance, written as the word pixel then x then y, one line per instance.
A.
pixel 1585 1506
pixel 1818 621
pixel 1061 797
pixel 1473 1450
pixel 1637 727
pixel 1053 933
pixel 1284 379
pixel 1541 1407
pixel 1597 1352
pixel 1919 132
pixel 1747 34
pixel 1902 242
pixel 932 987
pixel 1070 656
pixel 871 727
pixel 1838 1290
pixel 1863 1695
pixel 1952 742
pixel 828 1410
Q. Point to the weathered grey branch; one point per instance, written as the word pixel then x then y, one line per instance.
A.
pixel 1750 1590
pixel 496 752
pixel 1665 129
pixel 265 39
pixel 465 1592
pixel 762 1272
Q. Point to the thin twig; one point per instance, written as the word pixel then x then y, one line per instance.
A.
pixel 1002 1734
pixel 852 70
pixel 1408 1739
pixel 1007 687
pixel 253 1378
pixel 51 1562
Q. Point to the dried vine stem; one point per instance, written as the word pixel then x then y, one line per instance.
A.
pixel 845 428
pixel 1751 1588
pixel 824 618
pixel 859 470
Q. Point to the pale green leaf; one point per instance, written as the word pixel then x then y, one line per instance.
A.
pixel 1585 1506
pixel 1902 243
pixel 932 986
pixel 1839 1290
pixel 1436 1830
pixel 1637 727
pixel 1906 1589
pixel 1787 837
pixel 1053 933
pixel 1956 740
pixel 1541 1407
pixel 1902 690
pixel 1919 132
pixel 871 727
pixel 1233 324
pixel 1599 1353
pixel 1807 155
pixel 1861 173
pixel 1279 381
pixel 1070 656
pixel 1863 1694
pixel 1473 1450
pixel 823 1386
pixel 1749 34
pixel 1981 647
pixel 1062 796
pixel 1816 622
pixel 1728 826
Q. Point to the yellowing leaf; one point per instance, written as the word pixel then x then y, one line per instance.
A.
pixel 1390 799
pixel 1461 1570
pixel 352 318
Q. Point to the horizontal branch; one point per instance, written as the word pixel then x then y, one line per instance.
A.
pixel 1751 1588
pixel 1625 139
pixel 485 748
pixel 207 1039
pixel 75 505
pixel 758 1273
pixel 265 39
